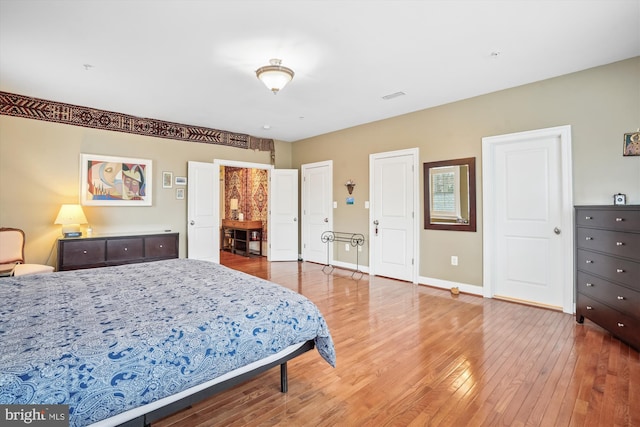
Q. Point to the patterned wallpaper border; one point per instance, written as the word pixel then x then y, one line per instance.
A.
pixel 50 111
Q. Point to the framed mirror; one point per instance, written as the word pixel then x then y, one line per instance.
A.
pixel 450 195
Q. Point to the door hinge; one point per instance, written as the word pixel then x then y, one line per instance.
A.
pixel 411 261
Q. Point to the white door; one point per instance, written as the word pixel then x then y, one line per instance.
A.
pixel 283 215
pixel 528 254
pixel 393 218
pixel 203 211
pixel 317 212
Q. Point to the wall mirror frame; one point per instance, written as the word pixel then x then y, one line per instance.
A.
pixel 451 186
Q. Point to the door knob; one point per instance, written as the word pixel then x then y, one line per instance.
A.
pixel 192 222
pixel 326 220
pixel 556 230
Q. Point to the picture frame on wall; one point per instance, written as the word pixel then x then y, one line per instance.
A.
pixel 167 179
pixel 631 143
pixel 181 180
pixel 115 181
pixel 179 193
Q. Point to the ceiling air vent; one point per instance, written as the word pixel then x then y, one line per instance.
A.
pixel 393 95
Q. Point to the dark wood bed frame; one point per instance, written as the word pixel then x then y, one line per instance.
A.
pixel 186 402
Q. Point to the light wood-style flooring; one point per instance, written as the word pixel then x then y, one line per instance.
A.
pixel 410 355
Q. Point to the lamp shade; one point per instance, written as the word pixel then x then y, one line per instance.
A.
pixel 275 76
pixel 71 214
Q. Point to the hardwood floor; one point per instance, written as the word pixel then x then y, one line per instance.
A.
pixel 410 355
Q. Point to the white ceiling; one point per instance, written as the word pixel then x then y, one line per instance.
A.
pixel 193 62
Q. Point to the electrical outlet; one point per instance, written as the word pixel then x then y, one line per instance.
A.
pixel 454 260
pixel 359 248
pixel 346 247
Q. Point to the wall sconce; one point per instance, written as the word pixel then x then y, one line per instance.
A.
pixel 71 216
pixel 350 184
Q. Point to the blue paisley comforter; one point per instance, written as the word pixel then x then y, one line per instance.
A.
pixel 107 340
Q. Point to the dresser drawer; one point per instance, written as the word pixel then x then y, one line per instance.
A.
pixel 626 220
pixel 620 298
pixel 626 328
pixel 161 246
pixel 612 242
pixel 122 250
pixel 611 268
pixel 82 252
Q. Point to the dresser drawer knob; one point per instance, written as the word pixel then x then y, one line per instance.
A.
pixel 619 219
pixel 589 238
pixel 620 297
pixel 589 261
pixel 589 307
pixel 619 270
pixel 588 217
pixel 589 285
pixel 161 246
pixel 126 249
pixel 620 325
pixel 84 252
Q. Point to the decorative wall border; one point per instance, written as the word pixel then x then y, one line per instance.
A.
pixel 40 109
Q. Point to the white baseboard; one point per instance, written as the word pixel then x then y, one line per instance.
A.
pixel 349 266
pixel 446 284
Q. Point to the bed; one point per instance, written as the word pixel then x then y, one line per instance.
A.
pixel 127 345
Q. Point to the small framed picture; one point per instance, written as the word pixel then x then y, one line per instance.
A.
pixel 631 144
pixel 181 180
pixel 167 179
pixel 179 193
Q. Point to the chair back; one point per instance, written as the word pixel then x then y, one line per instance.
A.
pixel 11 246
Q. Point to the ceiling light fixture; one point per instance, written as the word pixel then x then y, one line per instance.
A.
pixel 275 76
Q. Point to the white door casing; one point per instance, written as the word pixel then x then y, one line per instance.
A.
pixel 317 211
pixel 203 211
pixel 528 217
pixel 393 225
pixel 283 215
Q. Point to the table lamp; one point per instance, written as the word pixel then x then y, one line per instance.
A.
pixel 233 206
pixel 71 216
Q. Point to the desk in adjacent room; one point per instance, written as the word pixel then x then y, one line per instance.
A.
pixel 236 236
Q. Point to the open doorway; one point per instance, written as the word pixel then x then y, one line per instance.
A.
pixel 244 210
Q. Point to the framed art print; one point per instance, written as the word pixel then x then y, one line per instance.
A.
pixel 115 181
pixel 631 144
pixel 167 179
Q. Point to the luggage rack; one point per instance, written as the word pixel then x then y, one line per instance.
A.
pixel 354 239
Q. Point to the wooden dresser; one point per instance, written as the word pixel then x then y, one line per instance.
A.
pixel 103 251
pixel 608 269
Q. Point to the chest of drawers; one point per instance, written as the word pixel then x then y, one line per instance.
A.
pixel 103 251
pixel 608 269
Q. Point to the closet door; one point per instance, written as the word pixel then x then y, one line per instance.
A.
pixel 203 212
pixel 283 215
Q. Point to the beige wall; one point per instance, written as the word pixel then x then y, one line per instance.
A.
pixel 600 104
pixel 39 162
pixel 39 171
